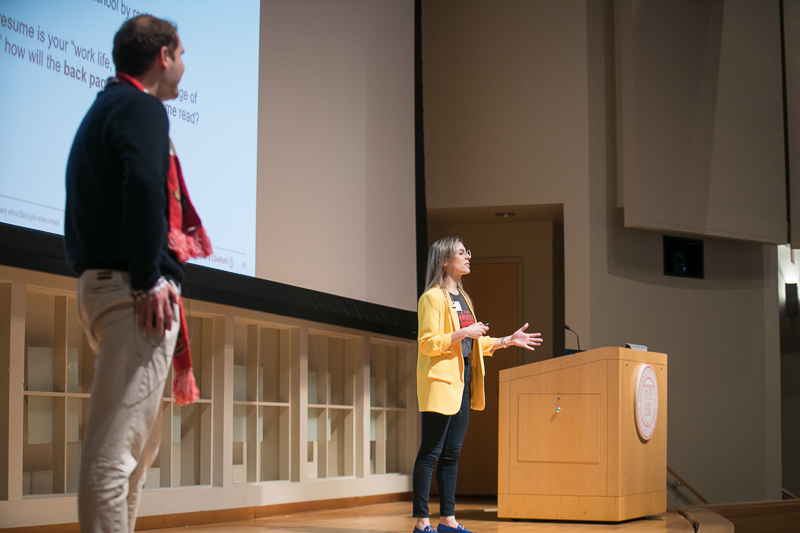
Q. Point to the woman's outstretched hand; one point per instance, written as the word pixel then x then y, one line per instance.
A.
pixel 525 340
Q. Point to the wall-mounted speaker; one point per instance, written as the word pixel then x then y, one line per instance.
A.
pixel 683 257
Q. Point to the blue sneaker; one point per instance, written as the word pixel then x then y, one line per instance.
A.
pixel 428 529
pixel 448 529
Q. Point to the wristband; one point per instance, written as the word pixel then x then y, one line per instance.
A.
pixel 142 294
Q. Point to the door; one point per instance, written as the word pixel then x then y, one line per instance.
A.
pixel 494 287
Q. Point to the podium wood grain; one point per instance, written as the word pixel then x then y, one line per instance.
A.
pixel 568 447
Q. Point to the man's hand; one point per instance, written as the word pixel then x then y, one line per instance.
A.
pixel 156 311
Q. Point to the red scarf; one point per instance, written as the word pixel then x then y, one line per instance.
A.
pixel 187 239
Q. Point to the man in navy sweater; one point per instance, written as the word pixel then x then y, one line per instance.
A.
pixel 116 239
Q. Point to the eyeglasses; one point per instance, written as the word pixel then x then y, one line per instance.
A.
pixel 462 253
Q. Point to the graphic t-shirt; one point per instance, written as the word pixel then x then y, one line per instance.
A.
pixel 465 318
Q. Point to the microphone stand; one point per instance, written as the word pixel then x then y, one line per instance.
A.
pixel 576 335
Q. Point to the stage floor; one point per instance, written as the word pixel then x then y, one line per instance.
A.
pixel 479 516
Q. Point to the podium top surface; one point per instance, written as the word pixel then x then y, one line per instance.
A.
pixel 582 358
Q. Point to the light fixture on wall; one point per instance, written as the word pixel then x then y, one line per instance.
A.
pixel 792 301
pixel 504 215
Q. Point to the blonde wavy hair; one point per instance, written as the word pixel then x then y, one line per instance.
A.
pixel 441 252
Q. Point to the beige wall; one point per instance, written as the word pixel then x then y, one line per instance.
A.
pixel 506 104
pixel 519 109
pixel 791 26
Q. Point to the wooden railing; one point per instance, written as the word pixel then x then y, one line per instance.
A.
pixel 682 483
pixel 762 517
pixel 754 517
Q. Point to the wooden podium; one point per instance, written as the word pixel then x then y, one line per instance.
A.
pixel 570 444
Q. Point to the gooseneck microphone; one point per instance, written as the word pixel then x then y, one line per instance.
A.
pixel 576 335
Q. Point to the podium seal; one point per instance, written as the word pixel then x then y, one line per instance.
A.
pixel 646 401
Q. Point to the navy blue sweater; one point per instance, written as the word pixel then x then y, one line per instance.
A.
pixel 116 214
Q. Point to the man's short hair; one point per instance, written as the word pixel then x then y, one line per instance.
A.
pixel 139 40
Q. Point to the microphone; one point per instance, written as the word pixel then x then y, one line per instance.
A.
pixel 576 335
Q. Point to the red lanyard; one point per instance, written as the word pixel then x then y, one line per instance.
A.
pixel 121 76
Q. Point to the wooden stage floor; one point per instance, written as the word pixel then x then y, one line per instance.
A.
pixel 479 516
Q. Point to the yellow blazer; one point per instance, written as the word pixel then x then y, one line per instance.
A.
pixel 440 363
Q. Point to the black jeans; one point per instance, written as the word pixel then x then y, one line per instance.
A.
pixel 442 436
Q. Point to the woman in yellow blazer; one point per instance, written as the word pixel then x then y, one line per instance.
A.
pixel 452 345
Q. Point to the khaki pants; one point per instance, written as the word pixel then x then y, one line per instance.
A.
pixel 123 433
